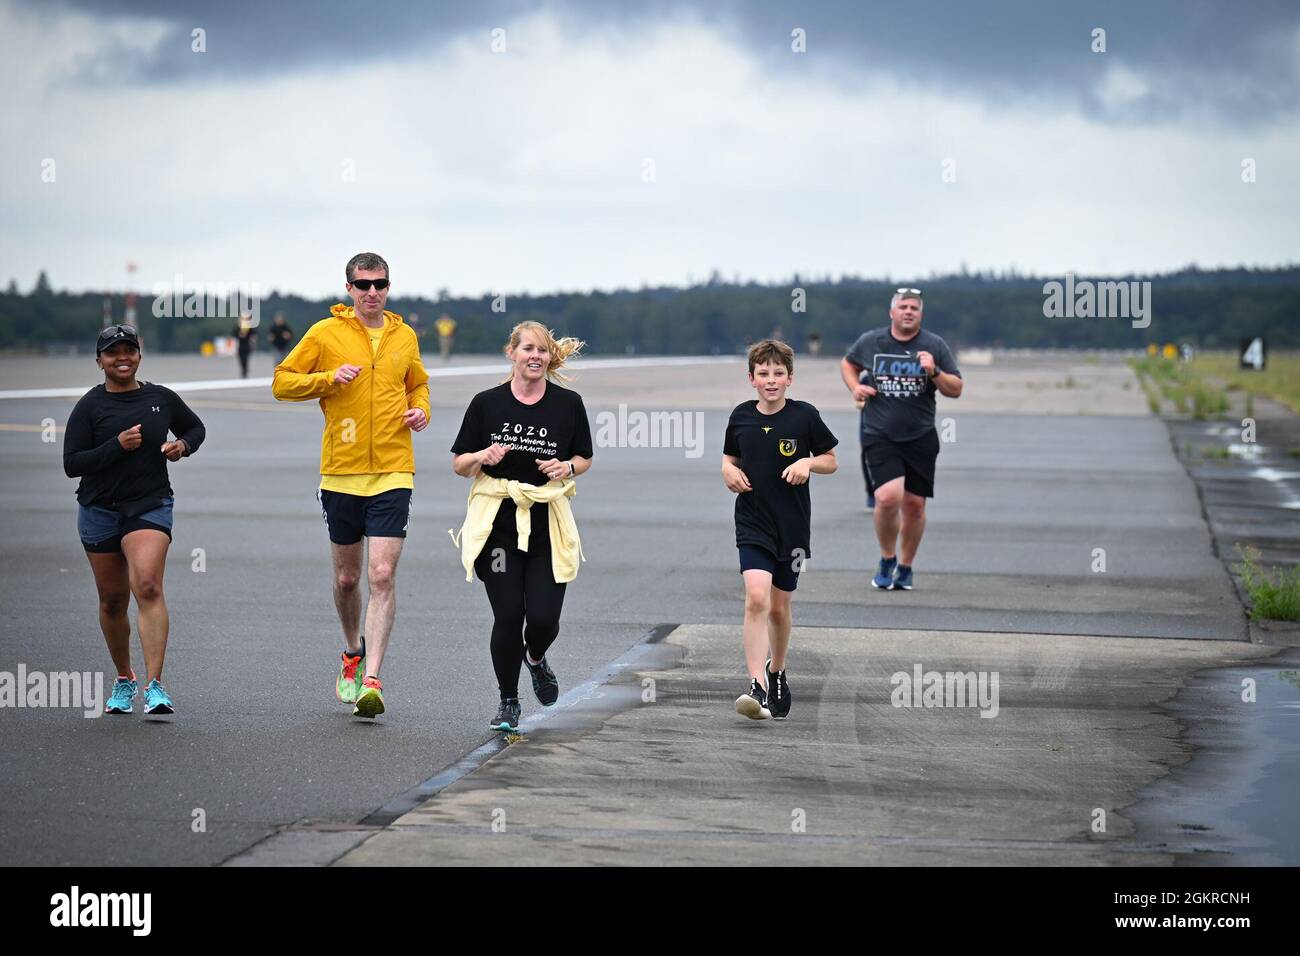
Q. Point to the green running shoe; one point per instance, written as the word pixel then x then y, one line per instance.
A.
pixel 351 671
pixel 371 701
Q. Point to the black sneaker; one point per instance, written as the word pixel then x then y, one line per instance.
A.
pixel 778 700
pixel 753 702
pixel 545 686
pixel 507 718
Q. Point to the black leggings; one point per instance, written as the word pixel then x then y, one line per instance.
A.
pixel 526 604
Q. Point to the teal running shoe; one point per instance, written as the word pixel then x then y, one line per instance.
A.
pixel 156 700
pixel 122 699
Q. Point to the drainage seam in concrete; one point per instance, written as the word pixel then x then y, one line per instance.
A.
pixel 423 792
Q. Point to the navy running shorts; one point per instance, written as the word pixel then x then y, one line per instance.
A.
pixel 754 558
pixel 348 517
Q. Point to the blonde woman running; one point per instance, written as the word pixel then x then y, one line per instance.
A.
pixel 523 443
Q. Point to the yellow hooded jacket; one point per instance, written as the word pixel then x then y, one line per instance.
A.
pixel 364 432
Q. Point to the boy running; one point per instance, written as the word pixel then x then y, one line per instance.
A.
pixel 772 445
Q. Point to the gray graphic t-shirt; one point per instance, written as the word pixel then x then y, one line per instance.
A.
pixel 903 407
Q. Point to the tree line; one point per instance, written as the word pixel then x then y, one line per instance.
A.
pixel 1205 308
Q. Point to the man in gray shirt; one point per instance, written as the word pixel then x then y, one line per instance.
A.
pixel 896 370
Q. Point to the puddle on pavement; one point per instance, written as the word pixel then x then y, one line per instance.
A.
pixel 1238 795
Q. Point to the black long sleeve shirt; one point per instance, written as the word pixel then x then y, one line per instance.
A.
pixel 130 482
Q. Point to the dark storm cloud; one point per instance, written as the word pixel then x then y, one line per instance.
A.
pixel 1235 60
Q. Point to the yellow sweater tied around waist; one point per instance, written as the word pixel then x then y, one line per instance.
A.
pixel 485 494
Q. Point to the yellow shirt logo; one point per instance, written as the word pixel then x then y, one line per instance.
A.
pixel 788 446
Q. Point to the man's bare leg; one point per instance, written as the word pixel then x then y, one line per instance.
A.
pixel 381 607
pixel 889 502
pixel 913 526
pixel 347 591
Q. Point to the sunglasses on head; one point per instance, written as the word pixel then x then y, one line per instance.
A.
pixel 915 292
pixel 118 330
pixel 365 284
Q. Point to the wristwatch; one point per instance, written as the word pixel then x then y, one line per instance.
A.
pixel 572 468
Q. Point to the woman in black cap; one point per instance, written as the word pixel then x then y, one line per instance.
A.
pixel 116 443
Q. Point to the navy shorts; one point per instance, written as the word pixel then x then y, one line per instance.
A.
pixel 101 529
pixel 348 517
pixel 754 558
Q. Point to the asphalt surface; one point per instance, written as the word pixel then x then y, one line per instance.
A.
pixel 1065 740
pixel 1024 501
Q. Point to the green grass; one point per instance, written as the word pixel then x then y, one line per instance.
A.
pixel 1173 381
pixel 1274 596
pixel 1279 381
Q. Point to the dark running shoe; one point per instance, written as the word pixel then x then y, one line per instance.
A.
pixel 778 696
pixel 902 578
pixel 884 578
pixel 545 686
pixel 507 718
pixel 753 702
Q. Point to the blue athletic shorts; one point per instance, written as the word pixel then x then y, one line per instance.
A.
pixel 348 517
pixel 754 558
pixel 101 529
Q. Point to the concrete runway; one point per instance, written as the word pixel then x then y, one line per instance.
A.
pixel 1050 462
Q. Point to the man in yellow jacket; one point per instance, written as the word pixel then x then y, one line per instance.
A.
pixel 363 364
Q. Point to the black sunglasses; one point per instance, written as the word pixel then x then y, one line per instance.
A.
pixel 118 330
pixel 365 284
pixel 915 292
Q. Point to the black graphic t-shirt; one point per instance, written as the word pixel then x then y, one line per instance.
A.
pixel 131 482
pixel 554 427
pixel 903 407
pixel 776 515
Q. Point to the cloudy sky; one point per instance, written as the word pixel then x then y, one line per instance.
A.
pixel 536 146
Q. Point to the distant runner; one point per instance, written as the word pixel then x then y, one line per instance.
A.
pixel 245 341
pixel 280 336
pixel 897 370
pixel 116 443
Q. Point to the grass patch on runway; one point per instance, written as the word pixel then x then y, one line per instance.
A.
pixel 1280 379
pixel 1176 382
pixel 1274 595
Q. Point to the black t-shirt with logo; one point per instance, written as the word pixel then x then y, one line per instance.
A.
pixel 776 515
pixel 556 426
pixel 903 406
pixel 131 482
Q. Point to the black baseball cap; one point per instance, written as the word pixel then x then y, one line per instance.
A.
pixel 117 333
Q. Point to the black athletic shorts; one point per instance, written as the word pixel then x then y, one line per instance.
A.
pixel 348 517
pixel 913 461
pixel 754 558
